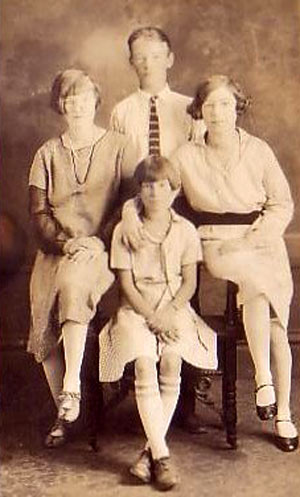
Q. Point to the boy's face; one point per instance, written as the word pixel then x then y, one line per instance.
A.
pixel 156 195
pixel 151 59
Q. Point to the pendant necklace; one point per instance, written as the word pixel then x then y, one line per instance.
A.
pixel 226 161
pixel 85 162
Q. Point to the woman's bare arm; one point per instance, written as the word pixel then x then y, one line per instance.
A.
pixel 188 286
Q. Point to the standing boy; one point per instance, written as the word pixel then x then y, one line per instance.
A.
pixel 151 57
pixel 155 119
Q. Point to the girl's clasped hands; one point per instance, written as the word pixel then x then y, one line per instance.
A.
pixel 163 324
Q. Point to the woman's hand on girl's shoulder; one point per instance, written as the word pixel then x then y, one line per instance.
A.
pixel 133 233
pixel 132 227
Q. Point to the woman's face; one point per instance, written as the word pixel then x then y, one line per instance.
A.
pixel 156 195
pixel 219 110
pixel 80 107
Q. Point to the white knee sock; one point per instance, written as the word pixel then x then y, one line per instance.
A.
pixel 74 337
pixel 169 392
pixel 282 356
pixel 256 314
pixel 150 409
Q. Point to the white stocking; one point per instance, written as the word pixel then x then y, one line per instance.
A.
pixel 54 368
pixel 150 407
pixel 282 356
pixel 169 383
pixel 74 337
pixel 169 392
pixel 256 315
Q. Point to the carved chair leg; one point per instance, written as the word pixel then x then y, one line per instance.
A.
pixel 230 366
pixel 91 389
pixel 229 391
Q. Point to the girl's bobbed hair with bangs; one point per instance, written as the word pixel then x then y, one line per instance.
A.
pixel 71 82
pixel 156 168
pixel 213 83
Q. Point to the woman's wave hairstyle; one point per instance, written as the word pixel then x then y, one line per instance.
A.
pixel 213 83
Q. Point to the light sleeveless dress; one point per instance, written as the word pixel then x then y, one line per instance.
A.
pixel 156 270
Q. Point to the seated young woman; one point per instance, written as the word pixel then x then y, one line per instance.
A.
pixel 74 181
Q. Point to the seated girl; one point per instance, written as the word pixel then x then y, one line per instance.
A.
pixel 155 321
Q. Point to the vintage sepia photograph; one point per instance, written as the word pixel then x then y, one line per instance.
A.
pixel 149 248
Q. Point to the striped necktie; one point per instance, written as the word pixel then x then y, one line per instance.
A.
pixel 154 144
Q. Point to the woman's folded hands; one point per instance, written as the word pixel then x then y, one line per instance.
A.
pixel 83 248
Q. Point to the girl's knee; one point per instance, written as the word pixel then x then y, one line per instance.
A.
pixel 170 365
pixel 145 368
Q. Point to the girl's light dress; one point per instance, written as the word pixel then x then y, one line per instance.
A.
pixel 156 270
pixel 254 183
pixel 61 289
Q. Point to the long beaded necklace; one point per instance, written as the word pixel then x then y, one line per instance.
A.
pixel 85 162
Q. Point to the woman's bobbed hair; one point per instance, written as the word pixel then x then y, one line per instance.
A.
pixel 213 83
pixel 156 168
pixel 71 82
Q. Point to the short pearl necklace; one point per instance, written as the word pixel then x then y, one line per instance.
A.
pixel 160 235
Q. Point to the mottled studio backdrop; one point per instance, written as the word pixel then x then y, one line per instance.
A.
pixel 256 41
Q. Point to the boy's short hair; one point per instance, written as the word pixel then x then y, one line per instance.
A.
pixel 156 168
pixel 71 82
pixel 150 32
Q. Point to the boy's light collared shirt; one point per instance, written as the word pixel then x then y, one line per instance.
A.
pixel 131 117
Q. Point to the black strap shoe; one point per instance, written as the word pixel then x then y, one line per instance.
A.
pixel 268 411
pixel 286 444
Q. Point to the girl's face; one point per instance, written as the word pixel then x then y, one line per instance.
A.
pixel 151 60
pixel 219 110
pixel 81 106
pixel 156 195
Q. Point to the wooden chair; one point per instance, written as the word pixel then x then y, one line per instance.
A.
pixel 230 331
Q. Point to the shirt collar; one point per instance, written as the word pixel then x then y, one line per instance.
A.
pixel 245 140
pixel 243 135
pixel 162 94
